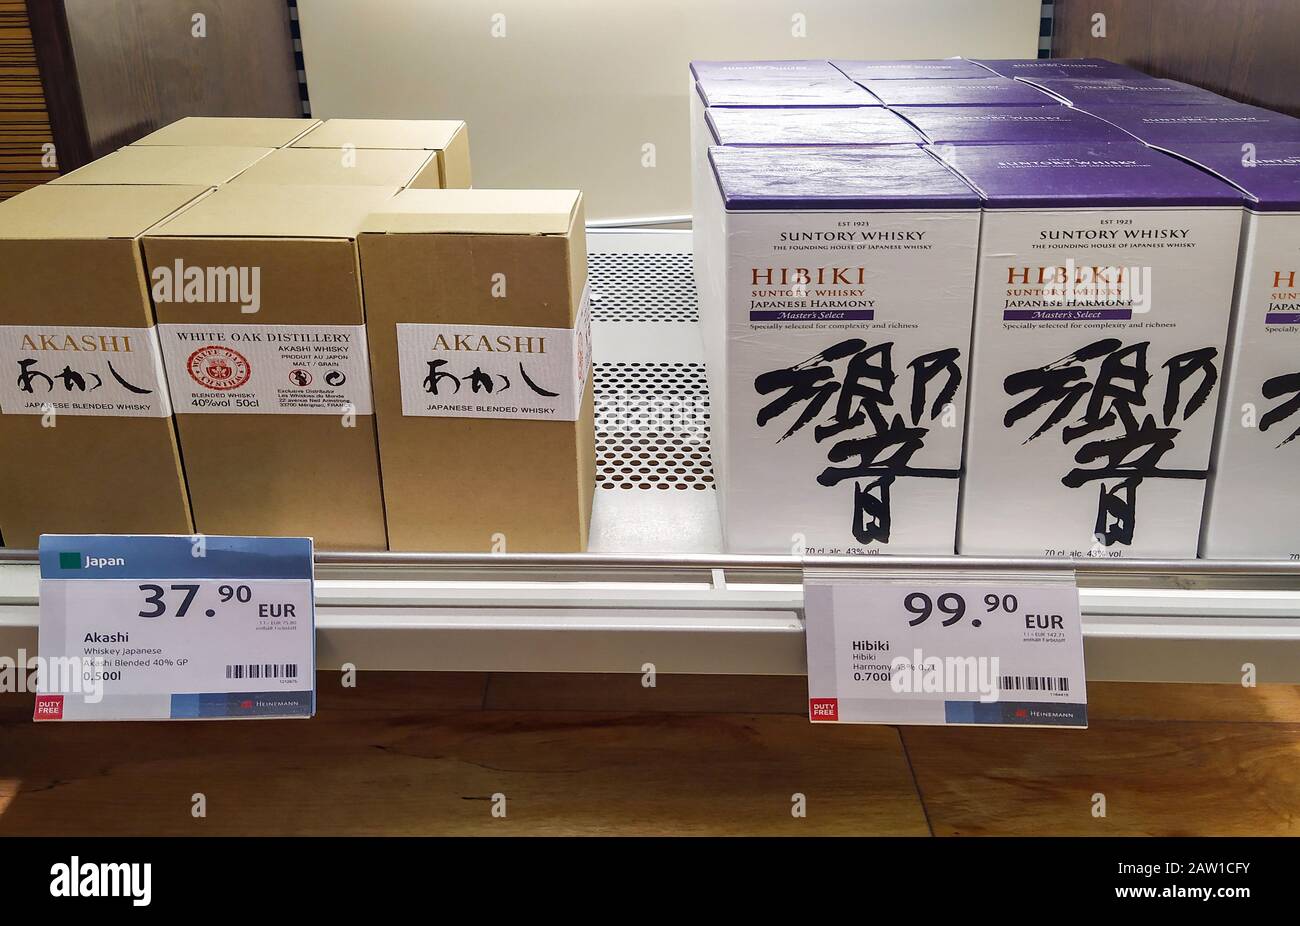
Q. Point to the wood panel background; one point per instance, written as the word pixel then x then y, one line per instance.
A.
pixel 24 120
pixel 424 752
pixel 140 66
pixel 1244 49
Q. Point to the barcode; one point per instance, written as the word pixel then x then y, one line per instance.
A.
pixel 263 670
pixel 1034 683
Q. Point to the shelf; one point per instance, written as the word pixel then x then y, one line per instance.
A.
pixel 656 588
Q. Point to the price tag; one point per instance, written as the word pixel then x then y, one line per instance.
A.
pixel 176 628
pixel 903 650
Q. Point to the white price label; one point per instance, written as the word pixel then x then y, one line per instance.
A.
pixel 915 651
pixel 179 628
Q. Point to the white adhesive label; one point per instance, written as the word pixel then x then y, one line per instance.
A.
pixel 267 369
pixel 75 370
pixel 495 371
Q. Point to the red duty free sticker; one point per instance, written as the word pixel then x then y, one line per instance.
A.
pixel 825 709
pixel 48 707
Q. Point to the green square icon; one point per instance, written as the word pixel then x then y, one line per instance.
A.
pixel 69 560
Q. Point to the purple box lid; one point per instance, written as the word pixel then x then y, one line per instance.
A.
pixel 1058 67
pixel 1226 122
pixel 983 125
pixel 837 178
pixel 761 70
pixel 1270 176
pixel 807 91
pixel 1085 175
pixel 868 125
pixel 987 91
pixel 1141 91
pixel 910 69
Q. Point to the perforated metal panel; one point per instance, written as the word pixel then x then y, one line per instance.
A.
pixel 652 426
pixel 642 287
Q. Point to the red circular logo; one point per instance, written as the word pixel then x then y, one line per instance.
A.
pixel 218 367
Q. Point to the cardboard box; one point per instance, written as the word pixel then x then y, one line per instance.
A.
pixel 914 69
pixel 1090 68
pixel 984 125
pixel 766 127
pixel 988 91
pixel 332 167
pixel 447 138
pixel 480 344
pixel 837 355
pixel 1133 91
pixel 1254 510
pixel 825 90
pixel 77 329
pixel 166 166
pixel 1172 126
pixel 224 131
pixel 761 70
pixel 1101 318
pixel 258 296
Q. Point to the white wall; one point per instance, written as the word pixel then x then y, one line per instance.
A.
pixel 574 89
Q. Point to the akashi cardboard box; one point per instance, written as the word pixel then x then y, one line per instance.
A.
pixel 204 165
pixel 1171 126
pixel 1089 68
pixel 479 325
pixel 235 131
pixel 381 167
pixel 1254 508
pixel 910 69
pixel 447 140
pixel 257 291
pixel 85 419
pixel 986 91
pixel 983 125
pixel 837 356
pixel 1101 320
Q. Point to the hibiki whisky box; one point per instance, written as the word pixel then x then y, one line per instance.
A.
pixel 1170 127
pixel 777 126
pixel 1254 508
pixel 989 90
pixel 984 125
pixel 1101 321
pixel 813 85
pixel 838 354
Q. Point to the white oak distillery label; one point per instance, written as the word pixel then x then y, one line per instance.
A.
pixel 267 369
pixel 495 371
pixel 75 370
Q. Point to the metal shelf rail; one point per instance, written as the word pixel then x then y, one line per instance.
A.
pixel 1144 620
